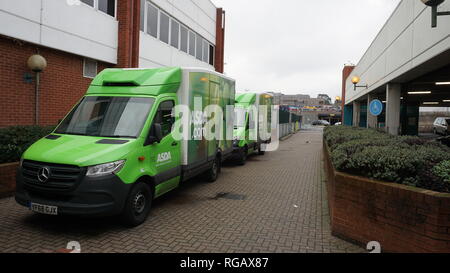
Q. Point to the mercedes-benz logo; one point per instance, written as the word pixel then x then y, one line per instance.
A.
pixel 43 175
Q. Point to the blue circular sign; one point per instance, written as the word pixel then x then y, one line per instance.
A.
pixel 376 107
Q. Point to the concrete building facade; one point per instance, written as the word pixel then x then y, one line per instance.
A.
pixel 79 38
pixel 407 66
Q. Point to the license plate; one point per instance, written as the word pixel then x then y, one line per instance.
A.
pixel 44 209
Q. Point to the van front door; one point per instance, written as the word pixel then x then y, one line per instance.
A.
pixel 165 155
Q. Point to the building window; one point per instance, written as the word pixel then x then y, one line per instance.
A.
pixel 211 55
pixel 107 6
pixel 89 68
pixel 192 43
pixel 174 33
pixel 184 39
pixel 164 27
pixel 152 21
pixel 205 51
pixel 169 30
pixel 199 47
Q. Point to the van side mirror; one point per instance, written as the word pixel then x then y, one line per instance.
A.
pixel 155 135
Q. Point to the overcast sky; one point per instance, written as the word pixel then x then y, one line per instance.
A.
pixel 298 46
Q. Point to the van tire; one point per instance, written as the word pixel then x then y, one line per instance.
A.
pixel 213 173
pixel 137 206
pixel 260 151
pixel 242 156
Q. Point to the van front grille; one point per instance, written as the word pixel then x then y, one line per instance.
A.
pixel 56 178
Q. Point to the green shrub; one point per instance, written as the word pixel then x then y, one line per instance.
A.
pixel 16 139
pixel 442 172
pixel 404 160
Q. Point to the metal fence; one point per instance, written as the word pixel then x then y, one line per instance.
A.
pixel 290 123
pixel 288 128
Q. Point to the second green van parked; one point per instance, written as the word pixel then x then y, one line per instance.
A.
pixel 252 124
pixel 116 151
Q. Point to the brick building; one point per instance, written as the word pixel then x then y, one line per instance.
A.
pixel 298 100
pixel 80 38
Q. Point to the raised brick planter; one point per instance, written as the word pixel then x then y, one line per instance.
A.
pixel 401 218
pixel 8 178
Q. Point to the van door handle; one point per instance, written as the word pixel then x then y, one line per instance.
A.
pixel 174 144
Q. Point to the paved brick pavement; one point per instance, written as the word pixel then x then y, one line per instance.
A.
pixel 284 210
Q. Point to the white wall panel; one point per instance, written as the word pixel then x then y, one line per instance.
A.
pixel 82 21
pixel 405 42
pixel 77 29
pixel 20 28
pixel 70 43
pixel 27 9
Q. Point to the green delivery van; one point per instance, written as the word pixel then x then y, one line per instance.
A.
pixel 252 125
pixel 116 150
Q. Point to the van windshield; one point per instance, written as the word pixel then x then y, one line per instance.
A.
pixel 122 117
pixel 240 117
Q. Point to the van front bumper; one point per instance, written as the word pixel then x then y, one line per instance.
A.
pixel 94 196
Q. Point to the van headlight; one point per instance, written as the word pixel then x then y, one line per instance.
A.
pixel 105 169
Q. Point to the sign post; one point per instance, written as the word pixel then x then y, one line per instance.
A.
pixel 376 108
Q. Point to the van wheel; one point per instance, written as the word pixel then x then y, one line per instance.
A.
pixel 137 206
pixel 260 151
pixel 213 173
pixel 243 156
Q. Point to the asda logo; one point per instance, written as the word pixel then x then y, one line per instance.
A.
pixel 164 157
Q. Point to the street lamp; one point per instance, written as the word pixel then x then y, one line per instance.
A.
pixel 434 10
pixel 355 81
pixel 37 64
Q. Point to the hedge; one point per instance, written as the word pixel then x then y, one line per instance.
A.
pixel 16 139
pixel 400 159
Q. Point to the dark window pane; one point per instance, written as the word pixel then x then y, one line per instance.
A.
pixel 164 117
pixel 184 39
pixel 107 6
pixel 164 28
pixel 211 54
pixel 152 21
pixel 174 32
pixel 192 43
pixel 89 2
pixel 143 14
pixel 199 44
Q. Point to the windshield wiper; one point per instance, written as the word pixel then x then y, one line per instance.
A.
pixel 70 133
pixel 119 136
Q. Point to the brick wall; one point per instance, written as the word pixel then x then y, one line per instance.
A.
pixel 403 219
pixel 128 15
pixel 62 83
pixel 8 178
pixel 219 56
